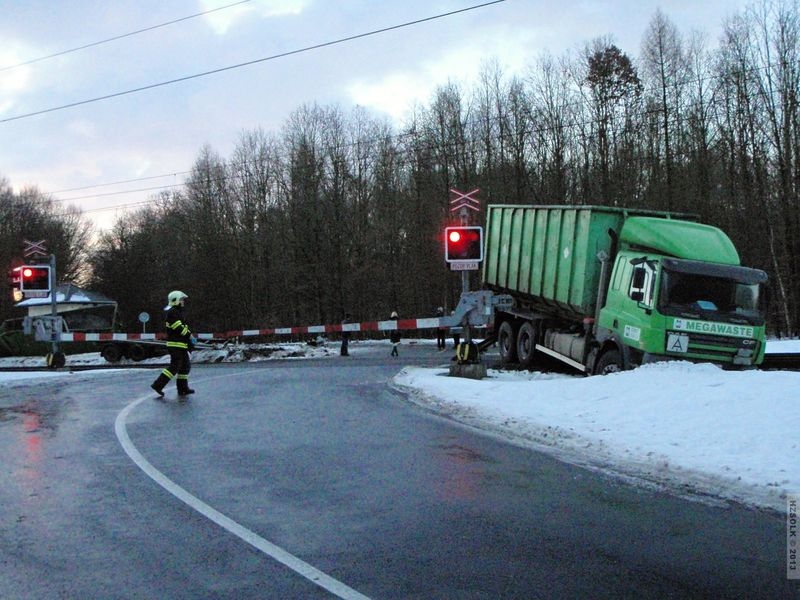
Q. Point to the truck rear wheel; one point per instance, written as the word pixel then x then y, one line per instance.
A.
pixel 610 362
pixel 526 345
pixel 111 352
pixel 507 343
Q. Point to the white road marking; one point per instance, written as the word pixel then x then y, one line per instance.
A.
pixel 301 567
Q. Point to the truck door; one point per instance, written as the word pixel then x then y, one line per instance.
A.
pixel 628 311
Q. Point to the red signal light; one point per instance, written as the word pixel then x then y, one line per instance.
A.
pixel 35 278
pixel 463 244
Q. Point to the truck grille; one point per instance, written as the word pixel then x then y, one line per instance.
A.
pixel 718 346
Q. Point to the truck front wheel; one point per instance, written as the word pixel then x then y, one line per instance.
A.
pixel 507 343
pixel 610 362
pixel 526 345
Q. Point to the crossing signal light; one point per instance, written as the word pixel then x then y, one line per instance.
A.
pixel 463 244
pixel 34 278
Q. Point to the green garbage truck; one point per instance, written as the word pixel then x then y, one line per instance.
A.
pixel 606 289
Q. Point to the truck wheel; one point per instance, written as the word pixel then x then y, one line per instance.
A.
pixel 526 345
pixel 111 352
pixel 135 352
pixel 610 362
pixel 507 343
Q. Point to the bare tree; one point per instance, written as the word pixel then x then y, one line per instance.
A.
pixel 613 86
pixel 254 174
pixel 664 65
pixel 777 55
pixel 746 156
pixel 553 103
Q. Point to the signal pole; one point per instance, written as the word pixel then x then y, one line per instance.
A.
pixel 56 331
pixel 465 274
pixel 464 252
pixel 463 202
pixel 37 251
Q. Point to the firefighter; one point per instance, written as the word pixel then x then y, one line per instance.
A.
pixel 345 337
pixel 394 336
pixel 441 332
pixel 179 343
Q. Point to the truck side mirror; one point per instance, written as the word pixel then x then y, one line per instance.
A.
pixel 641 284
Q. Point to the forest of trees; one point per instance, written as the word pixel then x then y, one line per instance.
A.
pixel 342 211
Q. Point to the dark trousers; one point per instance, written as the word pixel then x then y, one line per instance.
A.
pixel 179 366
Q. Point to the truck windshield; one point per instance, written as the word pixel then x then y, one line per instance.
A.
pixel 710 295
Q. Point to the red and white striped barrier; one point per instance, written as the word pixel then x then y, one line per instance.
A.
pixel 402 324
pixel 109 337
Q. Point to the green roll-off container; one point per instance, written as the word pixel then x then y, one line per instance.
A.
pixel 546 256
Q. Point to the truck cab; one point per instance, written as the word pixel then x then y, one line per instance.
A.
pixel 677 291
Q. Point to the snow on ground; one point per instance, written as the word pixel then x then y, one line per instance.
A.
pixel 692 428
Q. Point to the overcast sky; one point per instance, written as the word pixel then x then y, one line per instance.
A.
pixel 158 133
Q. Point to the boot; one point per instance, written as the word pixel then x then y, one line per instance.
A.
pixel 183 387
pixel 159 383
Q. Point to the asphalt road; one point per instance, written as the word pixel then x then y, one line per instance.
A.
pixel 312 479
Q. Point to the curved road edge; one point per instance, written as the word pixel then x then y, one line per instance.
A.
pixel 302 568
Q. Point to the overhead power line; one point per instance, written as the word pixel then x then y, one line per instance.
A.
pixel 251 62
pixel 109 184
pixel 123 192
pixel 140 204
pixel 119 37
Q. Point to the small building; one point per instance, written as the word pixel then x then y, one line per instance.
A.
pixel 82 310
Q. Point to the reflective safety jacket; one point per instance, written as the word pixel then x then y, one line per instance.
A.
pixel 178 332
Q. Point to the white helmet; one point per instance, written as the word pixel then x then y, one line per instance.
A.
pixel 174 298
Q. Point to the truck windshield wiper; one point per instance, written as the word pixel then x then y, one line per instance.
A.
pixel 739 320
